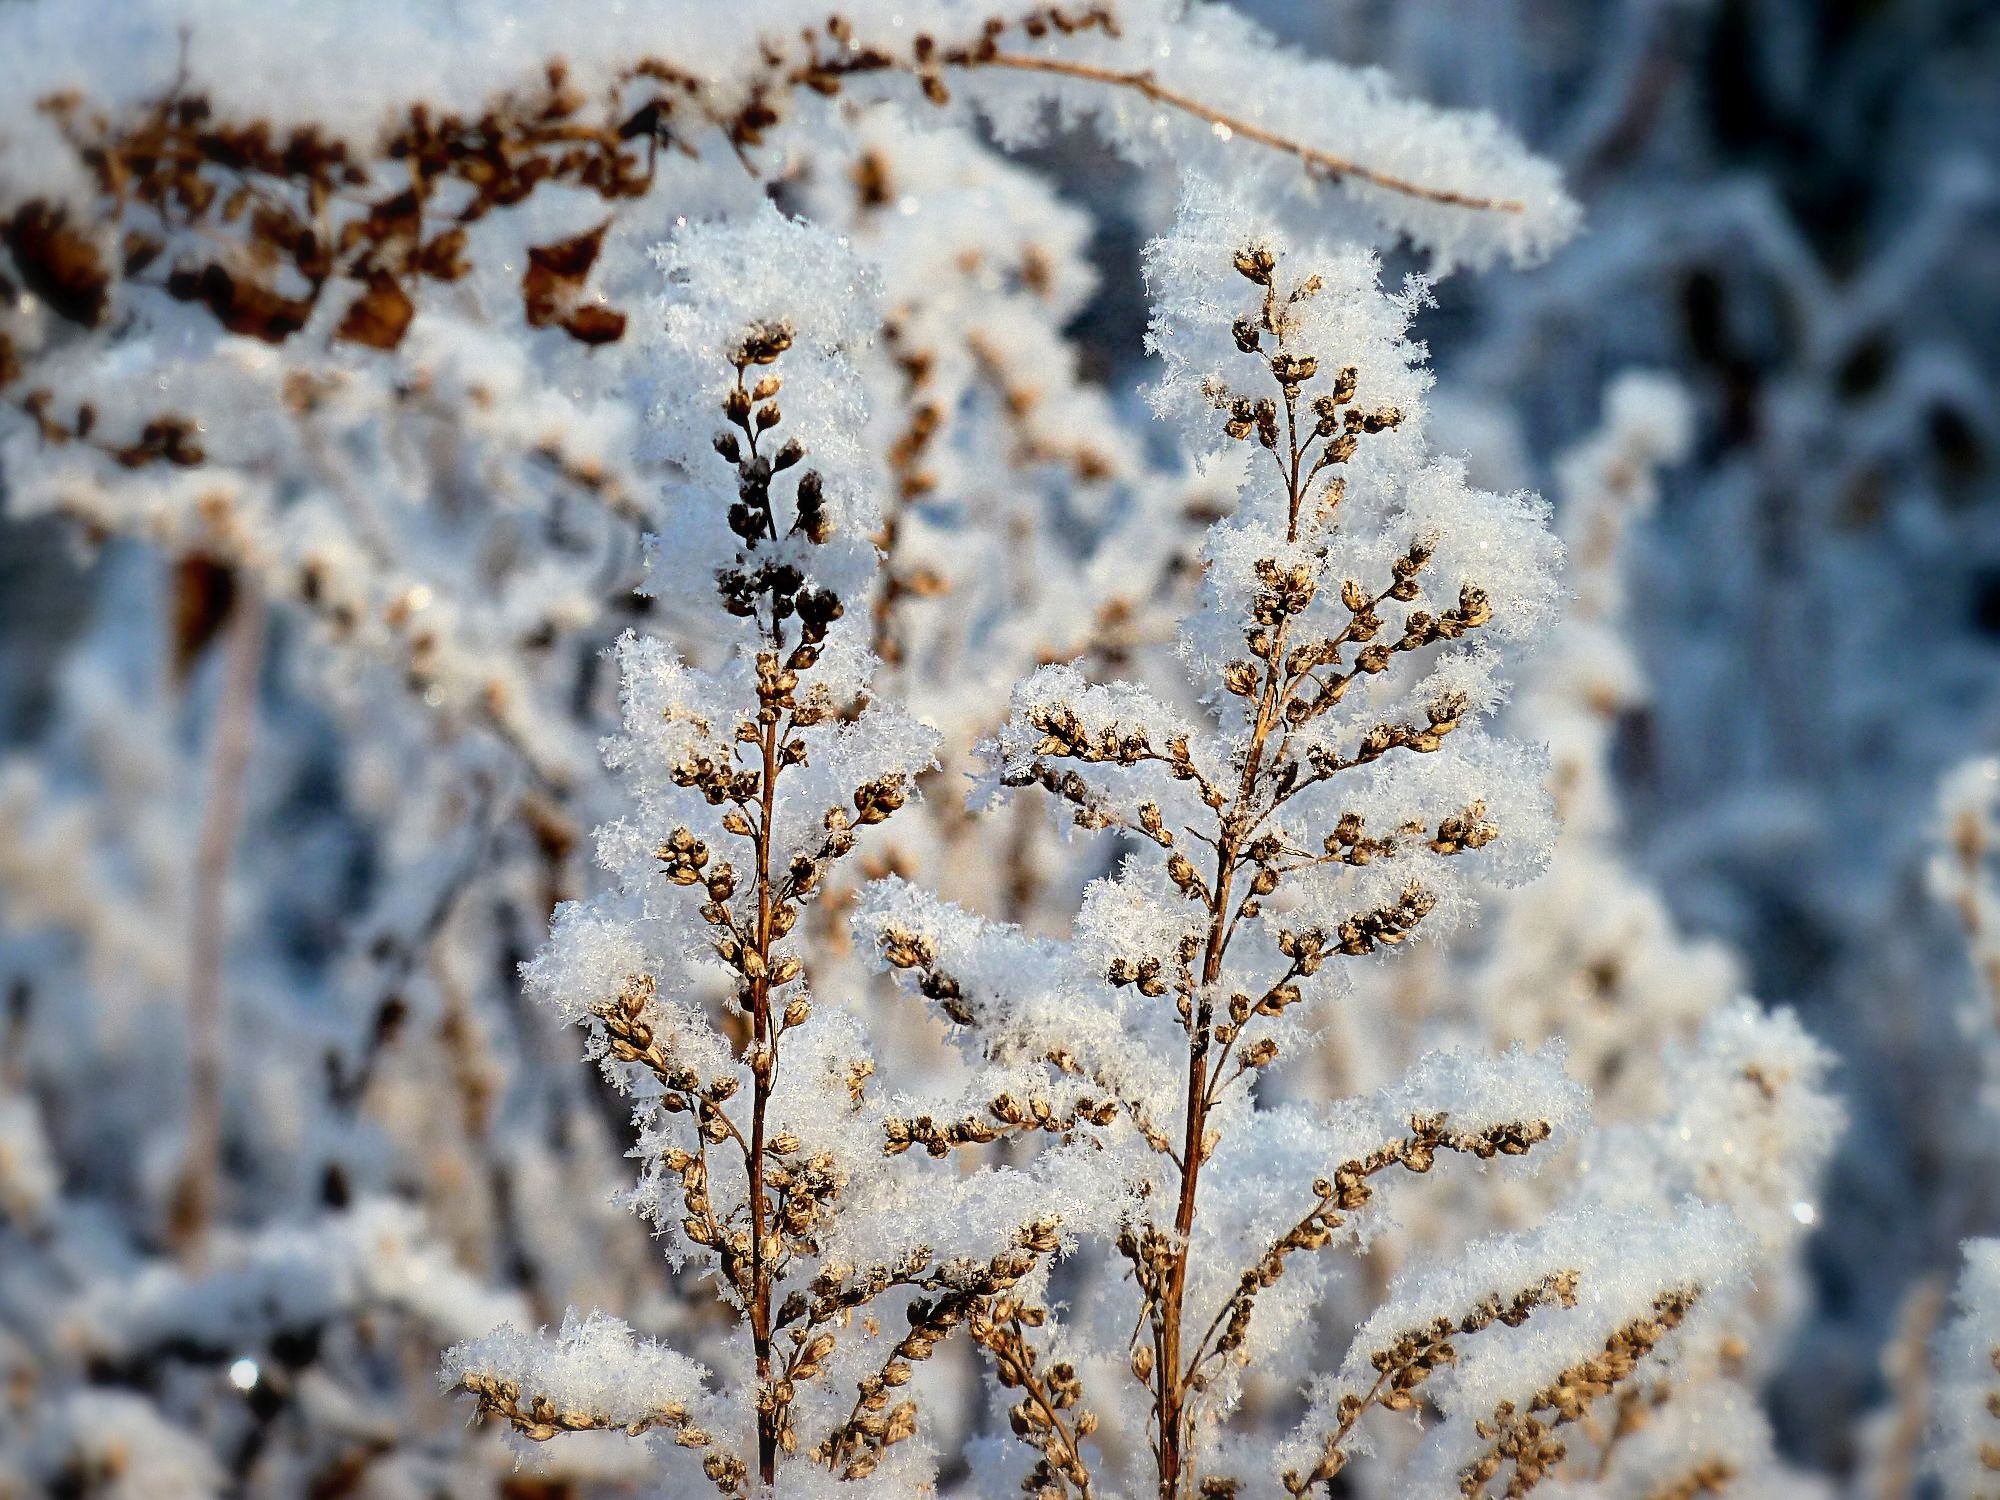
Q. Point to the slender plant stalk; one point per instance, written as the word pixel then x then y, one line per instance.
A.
pixel 1172 1390
pixel 222 817
pixel 1325 162
pixel 764 1042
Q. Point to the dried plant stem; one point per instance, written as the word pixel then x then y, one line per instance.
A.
pixel 1334 167
pixel 1907 1366
pixel 1235 827
pixel 1406 1363
pixel 222 815
pixel 1335 1454
pixel 764 1041
pixel 763 1072
pixel 310 219
pixel 1282 692
pixel 1047 1396
pixel 1172 1390
pixel 1171 1394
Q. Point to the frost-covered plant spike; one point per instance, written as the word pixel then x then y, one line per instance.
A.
pixel 1338 797
pixel 760 1130
pixel 488 105
pixel 371 342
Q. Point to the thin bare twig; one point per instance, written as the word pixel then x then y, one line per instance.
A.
pixel 222 815
pixel 1334 167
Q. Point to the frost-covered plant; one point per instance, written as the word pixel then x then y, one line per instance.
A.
pixel 1967 1404
pixel 504 166
pixel 363 350
pixel 373 351
pixel 759 1125
pixel 1589 951
pixel 1021 522
pixel 264 1338
pixel 1965 876
pixel 371 334
pixel 1341 798
pixel 1834 340
pixel 1696 1091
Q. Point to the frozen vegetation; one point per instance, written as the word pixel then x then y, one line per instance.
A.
pixel 820 753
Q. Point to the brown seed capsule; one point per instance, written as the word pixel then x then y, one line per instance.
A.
pixel 1255 263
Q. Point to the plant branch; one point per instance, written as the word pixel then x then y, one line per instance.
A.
pixel 1325 162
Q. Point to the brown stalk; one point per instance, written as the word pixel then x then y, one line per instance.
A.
pixel 1301 447
pixel 763 1073
pixel 1172 1390
pixel 1325 162
pixel 196 1191
pixel 764 1044
pixel 783 1194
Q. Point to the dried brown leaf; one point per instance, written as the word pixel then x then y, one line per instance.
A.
pixel 595 325
pixel 555 275
pixel 379 317
pixel 59 265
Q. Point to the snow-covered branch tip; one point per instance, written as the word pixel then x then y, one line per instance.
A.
pixel 333 211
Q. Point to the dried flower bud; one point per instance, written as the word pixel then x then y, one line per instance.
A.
pixel 1255 263
pixel 1241 678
